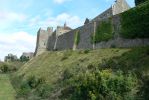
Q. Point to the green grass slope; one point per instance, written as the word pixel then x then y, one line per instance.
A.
pixel 74 74
pixel 52 64
pixel 6 89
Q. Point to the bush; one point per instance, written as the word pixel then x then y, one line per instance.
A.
pixel 145 88
pixel 135 22
pixel 24 59
pixel 86 51
pixel 33 82
pixel 24 89
pixel 4 68
pixel 33 88
pixel 113 46
pixel 44 90
pixel 104 85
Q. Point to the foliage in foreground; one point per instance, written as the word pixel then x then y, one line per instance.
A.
pixel 123 77
pixel 10 66
pixel 102 85
pixel 32 88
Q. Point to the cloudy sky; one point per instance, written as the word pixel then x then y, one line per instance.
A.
pixel 21 19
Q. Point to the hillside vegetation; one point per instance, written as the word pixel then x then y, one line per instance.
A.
pixel 6 90
pixel 7 67
pixel 103 74
pixel 85 75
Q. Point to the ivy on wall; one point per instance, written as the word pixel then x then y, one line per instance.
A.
pixel 104 32
pixel 77 37
pixel 135 22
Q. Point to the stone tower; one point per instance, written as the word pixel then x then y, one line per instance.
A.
pixel 42 40
pixel 62 29
pixel 119 7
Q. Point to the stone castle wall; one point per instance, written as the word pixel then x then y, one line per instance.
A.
pixel 48 40
pixel 66 41
pixel 51 41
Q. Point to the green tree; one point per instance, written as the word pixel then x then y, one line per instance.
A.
pixel 24 59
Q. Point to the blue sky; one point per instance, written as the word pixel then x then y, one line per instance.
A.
pixel 21 19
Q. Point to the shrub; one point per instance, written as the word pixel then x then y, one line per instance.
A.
pixel 24 59
pixel 67 74
pixel 32 86
pixel 33 82
pixel 24 89
pixel 113 46
pixel 145 88
pixel 86 51
pixel 4 68
pixel 64 58
pixel 44 90
pixel 104 85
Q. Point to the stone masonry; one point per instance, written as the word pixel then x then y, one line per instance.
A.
pixel 63 37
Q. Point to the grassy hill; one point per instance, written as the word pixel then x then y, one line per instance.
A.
pixel 6 90
pixel 74 75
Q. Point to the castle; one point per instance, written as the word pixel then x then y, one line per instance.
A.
pixel 63 37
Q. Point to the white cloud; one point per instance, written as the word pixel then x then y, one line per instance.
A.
pixel 60 1
pixel 16 43
pixel 72 21
pixel 11 16
pixel 8 19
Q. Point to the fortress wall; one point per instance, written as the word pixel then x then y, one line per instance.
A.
pixel 51 41
pixel 87 31
pixel 85 36
pixel 66 40
pixel 120 42
pixel 117 41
